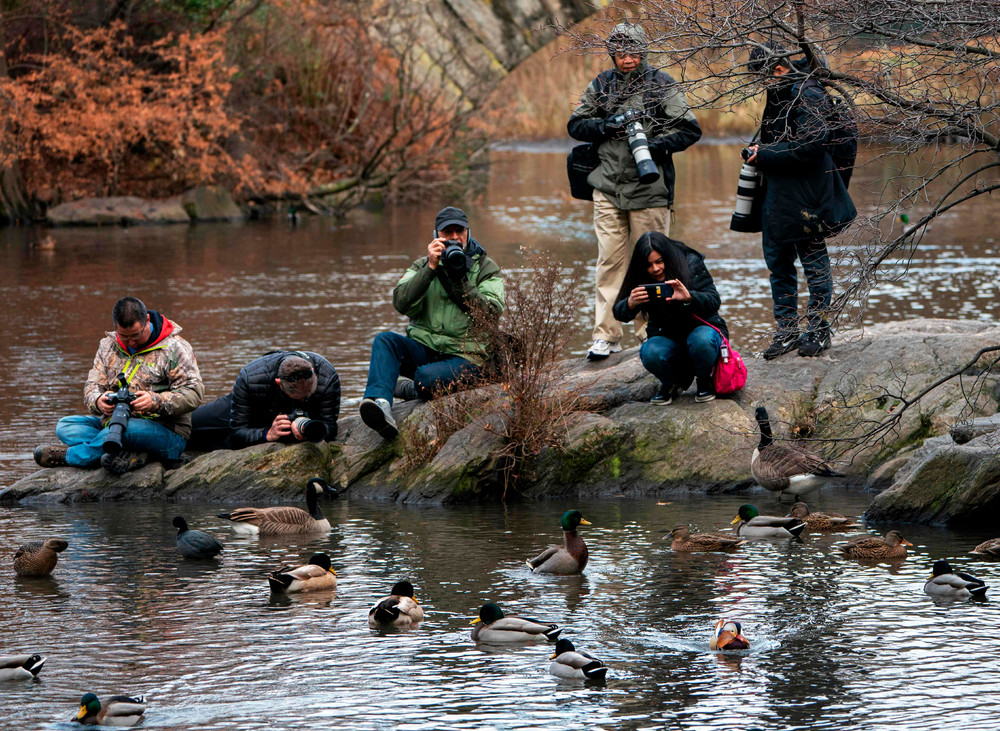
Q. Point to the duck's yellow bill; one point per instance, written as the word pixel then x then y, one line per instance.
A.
pixel 476 621
pixel 82 712
pixel 332 572
pixel 735 520
pixel 585 522
pixel 554 656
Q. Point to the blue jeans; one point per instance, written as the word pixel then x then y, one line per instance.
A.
pixel 394 355
pixel 675 363
pixel 84 436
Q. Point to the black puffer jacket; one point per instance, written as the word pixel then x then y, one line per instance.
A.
pixel 257 399
pixel 676 320
pixel 804 196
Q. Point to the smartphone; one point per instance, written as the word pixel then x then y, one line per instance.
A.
pixel 659 291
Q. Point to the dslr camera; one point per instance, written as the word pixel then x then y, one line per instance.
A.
pixel 312 430
pixel 122 400
pixel 637 144
pixel 454 259
pixel 743 219
pixel 659 291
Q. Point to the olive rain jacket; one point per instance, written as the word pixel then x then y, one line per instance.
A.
pixel 805 198
pixel 257 399
pixel 166 368
pixel 676 320
pixel 668 122
pixel 436 320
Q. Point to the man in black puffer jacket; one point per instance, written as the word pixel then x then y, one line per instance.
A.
pixel 805 199
pixel 266 391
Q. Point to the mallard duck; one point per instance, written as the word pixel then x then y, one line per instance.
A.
pixel 893 546
pixel 569 558
pixel 754 525
pixel 786 467
pixel 399 609
pixel 38 558
pixel 118 710
pixel 989 549
pixel 195 543
pixel 316 575
pixel 498 629
pixel 286 520
pixel 950 584
pixel 572 664
pixel 20 667
pixel 728 636
pixel 683 540
pixel 819 521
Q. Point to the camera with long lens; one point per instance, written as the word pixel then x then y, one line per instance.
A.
pixel 122 400
pixel 454 259
pixel 637 143
pixel 312 430
pixel 746 217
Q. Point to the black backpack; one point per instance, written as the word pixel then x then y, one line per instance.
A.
pixel 841 137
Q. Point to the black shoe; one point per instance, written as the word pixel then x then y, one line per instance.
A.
pixel 377 415
pixel 406 390
pixel 119 464
pixel 704 396
pixel 666 395
pixel 706 390
pixel 50 456
pixel 814 342
pixel 785 341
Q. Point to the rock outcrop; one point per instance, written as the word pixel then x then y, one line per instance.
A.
pixel 118 211
pixel 621 444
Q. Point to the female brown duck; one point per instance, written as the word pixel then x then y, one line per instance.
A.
pixel 873 548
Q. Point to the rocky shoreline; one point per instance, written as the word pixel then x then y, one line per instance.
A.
pixel 623 445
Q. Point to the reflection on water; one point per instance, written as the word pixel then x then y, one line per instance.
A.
pixel 241 290
pixel 834 644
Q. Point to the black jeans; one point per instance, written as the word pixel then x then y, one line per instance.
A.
pixel 780 258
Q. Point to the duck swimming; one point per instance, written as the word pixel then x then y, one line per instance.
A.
pixel 988 549
pixel 495 628
pixel 118 710
pixel 686 542
pixel 950 584
pixel 572 664
pixel 892 547
pixel 195 544
pixel 316 575
pixel 754 525
pixel 20 667
pixel 728 636
pixel 38 558
pixel 569 558
pixel 785 467
pixel 819 521
pixel 284 520
pixel 399 609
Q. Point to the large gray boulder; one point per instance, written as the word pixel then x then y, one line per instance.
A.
pixel 210 203
pixel 118 211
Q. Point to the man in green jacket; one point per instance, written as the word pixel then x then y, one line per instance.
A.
pixel 437 293
pixel 624 207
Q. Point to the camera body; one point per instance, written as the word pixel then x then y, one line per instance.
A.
pixel 746 217
pixel 454 259
pixel 312 430
pixel 122 400
pixel 659 291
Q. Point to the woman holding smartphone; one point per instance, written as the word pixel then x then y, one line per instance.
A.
pixel 682 308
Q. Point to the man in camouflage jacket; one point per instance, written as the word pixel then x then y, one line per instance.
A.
pixel 161 371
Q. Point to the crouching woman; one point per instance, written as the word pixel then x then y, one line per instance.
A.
pixel 681 343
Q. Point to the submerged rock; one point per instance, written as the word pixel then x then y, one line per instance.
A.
pixel 118 211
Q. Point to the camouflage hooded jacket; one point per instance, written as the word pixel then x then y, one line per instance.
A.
pixel 166 368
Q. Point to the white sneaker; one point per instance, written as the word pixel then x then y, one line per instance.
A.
pixel 601 349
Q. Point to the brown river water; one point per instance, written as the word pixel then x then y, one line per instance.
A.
pixel 835 645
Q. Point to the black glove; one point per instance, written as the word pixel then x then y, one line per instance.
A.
pixel 614 125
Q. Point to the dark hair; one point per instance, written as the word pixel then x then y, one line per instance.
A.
pixel 295 368
pixel 128 311
pixel 674 255
pixel 765 58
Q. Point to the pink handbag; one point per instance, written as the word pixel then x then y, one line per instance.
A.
pixel 730 372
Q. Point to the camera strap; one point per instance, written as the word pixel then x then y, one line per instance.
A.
pixel 449 287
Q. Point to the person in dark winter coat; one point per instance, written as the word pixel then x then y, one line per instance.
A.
pixel 681 342
pixel 266 391
pixel 805 199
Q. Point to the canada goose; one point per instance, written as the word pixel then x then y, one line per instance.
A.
pixel 20 667
pixel 686 542
pixel 893 546
pixel 569 558
pixel 38 558
pixel 498 629
pixel 284 520
pixel 316 575
pixel 728 636
pixel 819 521
pixel 754 525
pixel 572 664
pixel 950 584
pixel 988 549
pixel 195 543
pixel 786 468
pixel 399 609
pixel 118 710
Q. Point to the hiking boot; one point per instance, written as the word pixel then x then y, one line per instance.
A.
pixel 406 390
pixel 666 395
pixel 377 415
pixel 50 456
pixel 601 349
pixel 785 341
pixel 119 464
pixel 814 342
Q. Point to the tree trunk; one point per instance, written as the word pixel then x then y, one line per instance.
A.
pixel 14 202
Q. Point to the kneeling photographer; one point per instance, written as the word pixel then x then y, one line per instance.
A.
pixel 283 396
pixel 436 293
pixel 669 282
pixel 141 391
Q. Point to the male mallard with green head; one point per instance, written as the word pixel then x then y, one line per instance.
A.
pixel 572 664
pixel 493 627
pixel 754 525
pixel 399 609
pixel 20 667
pixel 569 558
pixel 316 575
pixel 118 710
pixel 947 583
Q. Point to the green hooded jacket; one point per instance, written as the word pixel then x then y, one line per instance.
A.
pixel 436 320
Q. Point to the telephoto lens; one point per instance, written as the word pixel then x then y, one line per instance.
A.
pixel 312 430
pixel 747 190
pixel 648 173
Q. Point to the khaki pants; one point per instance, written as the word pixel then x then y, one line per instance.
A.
pixel 617 231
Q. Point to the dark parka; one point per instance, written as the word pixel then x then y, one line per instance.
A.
pixel 257 399
pixel 668 122
pixel 673 319
pixel 805 198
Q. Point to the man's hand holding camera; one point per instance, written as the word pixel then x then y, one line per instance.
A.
pixel 640 295
pixel 143 403
pixel 434 251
